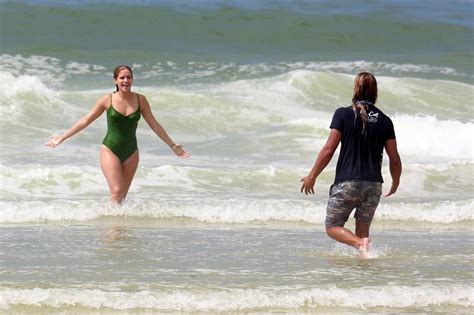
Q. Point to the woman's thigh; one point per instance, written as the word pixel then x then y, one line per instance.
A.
pixel 112 169
pixel 129 167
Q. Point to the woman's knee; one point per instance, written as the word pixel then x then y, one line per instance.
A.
pixel 116 193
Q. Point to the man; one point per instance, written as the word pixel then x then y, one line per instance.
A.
pixel 364 131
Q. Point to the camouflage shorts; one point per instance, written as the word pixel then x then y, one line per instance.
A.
pixel 362 195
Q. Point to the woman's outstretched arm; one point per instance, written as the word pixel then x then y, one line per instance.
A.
pixel 99 107
pixel 147 114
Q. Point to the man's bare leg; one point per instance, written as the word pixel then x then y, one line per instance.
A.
pixel 362 231
pixel 346 236
pixel 343 235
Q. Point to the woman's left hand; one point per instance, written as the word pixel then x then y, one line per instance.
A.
pixel 179 150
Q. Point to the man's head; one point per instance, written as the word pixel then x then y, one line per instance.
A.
pixel 365 88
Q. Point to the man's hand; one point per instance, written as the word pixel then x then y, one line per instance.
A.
pixel 392 190
pixel 308 184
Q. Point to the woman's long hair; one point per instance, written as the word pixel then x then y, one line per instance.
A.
pixel 117 71
pixel 365 94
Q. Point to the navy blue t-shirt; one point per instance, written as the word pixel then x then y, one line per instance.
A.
pixel 361 154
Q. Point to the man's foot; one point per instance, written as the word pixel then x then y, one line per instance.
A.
pixel 364 248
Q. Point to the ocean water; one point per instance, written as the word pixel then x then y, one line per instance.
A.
pixel 249 88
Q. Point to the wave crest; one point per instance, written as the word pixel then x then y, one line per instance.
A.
pixel 229 211
pixel 396 297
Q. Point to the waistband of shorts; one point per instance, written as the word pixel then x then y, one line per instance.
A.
pixel 358 180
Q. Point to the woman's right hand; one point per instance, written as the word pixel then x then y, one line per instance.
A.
pixel 54 141
pixel 179 150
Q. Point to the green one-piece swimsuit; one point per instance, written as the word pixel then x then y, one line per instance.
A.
pixel 121 129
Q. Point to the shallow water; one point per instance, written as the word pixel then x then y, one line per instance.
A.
pixel 194 267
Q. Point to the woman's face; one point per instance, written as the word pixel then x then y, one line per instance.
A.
pixel 124 80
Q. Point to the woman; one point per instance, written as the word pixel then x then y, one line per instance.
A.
pixel 119 152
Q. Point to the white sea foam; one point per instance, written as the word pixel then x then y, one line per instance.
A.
pixel 424 137
pixel 29 103
pixel 232 210
pixel 39 181
pixel 375 251
pixel 396 297
pixel 362 65
pixel 24 95
pixel 38 193
pixel 11 85
pixel 205 210
pixel 48 69
pixel 56 71
pixel 42 66
pixel 428 136
pixel 290 99
pixel 433 212
pixel 201 69
pixel 36 181
pixel 82 68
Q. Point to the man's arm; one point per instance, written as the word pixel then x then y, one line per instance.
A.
pixel 395 165
pixel 323 159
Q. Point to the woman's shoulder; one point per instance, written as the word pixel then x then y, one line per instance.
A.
pixel 141 99
pixel 141 96
pixel 105 100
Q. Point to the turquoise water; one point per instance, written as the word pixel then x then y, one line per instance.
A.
pixel 249 89
pixel 437 34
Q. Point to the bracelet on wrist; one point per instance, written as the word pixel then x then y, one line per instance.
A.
pixel 172 145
